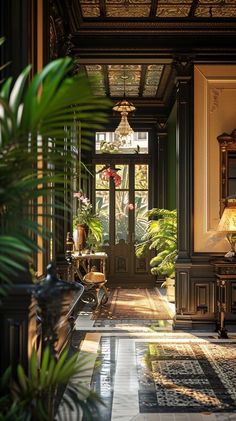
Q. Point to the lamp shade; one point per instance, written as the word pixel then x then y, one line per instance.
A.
pixel 124 106
pixel 228 219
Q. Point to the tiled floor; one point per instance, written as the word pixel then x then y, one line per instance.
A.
pixel 117 380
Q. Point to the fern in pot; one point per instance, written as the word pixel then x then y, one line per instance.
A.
pixel 161 236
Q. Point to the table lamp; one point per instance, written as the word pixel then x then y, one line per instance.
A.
pixel 228 224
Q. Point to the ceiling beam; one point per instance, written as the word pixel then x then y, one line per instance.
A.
pixel 112 60
pixel 103 12
pixel 153 9
pixel 193 8
pixel 142 79
pixel 106 79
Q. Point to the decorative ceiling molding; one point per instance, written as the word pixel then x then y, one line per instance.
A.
pixel 160 25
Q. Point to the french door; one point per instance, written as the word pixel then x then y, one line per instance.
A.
pixel 122 210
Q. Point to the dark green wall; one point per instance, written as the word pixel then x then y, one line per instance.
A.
pixel 171 160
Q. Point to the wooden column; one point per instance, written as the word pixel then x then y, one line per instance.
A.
pixel 184 146
pixel 161 163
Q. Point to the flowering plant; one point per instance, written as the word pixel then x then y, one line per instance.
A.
pixel 86 216
pixel 110 172
pixel 110 147
pixel 84 210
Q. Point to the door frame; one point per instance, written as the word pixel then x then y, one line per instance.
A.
pixel 118 159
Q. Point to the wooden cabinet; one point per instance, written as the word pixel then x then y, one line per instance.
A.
pixel 227 144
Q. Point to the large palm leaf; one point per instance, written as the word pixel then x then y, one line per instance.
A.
pixel 161 236
pixel 39 121
pixel 32 396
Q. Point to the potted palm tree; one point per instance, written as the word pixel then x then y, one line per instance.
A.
pixel 35 119
pixel 39 123
pixel 161 236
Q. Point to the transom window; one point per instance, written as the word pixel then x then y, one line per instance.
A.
pixel 109 142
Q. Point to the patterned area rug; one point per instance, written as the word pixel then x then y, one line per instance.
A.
pixel 186 377
pixel 134 304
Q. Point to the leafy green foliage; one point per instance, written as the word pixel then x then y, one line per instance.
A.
pixel 32 397
pixel 160 235
pixel 40 123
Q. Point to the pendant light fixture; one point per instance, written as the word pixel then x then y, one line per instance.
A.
pixel 124 107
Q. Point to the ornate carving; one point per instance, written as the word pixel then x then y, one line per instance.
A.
pixel 227 143
pixel 161 130
pixel 60 38
pixel 214 99
pixel 161 126
pixel 226 139
pixel 183 65
pixel 218 11
pixel 170 11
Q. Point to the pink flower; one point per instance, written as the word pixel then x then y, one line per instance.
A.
pixel 109 172
pixel 78 194
pixel 130 206
pixel 117 180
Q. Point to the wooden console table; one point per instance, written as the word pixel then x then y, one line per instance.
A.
pixel 95 292
pixel 82 263
pixel 225 273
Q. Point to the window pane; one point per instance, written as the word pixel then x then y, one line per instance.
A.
pixel 232 165
pixel 141 177
pixel 109 142
pixel 232 187
pixel 102 208
pixel 100 182
pixel 141 206
pixel 121 215
pixel 124 174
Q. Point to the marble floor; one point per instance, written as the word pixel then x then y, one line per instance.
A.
pixel 120 375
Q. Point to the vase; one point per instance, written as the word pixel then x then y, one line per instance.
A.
pixel 81 237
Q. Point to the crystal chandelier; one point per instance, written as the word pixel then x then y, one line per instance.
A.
pixel 124 107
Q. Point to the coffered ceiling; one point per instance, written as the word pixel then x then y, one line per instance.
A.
pixel 134 80
pixel 157 8
pixel 149 86
pixel 141 40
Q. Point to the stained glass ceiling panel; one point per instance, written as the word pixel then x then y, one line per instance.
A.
pixel 159 9
pixel 137 80
pixel 152 80
pixel 128 8
pixel 132 75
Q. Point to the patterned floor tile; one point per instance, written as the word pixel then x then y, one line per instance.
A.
pixel 197 377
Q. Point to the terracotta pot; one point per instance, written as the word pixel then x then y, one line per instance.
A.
pixel 81 237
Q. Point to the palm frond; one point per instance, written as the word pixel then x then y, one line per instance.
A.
pixel 37 120
pixel 161 236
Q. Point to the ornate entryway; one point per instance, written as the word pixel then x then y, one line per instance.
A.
pixel 122 207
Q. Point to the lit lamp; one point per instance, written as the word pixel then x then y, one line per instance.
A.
pixel 228 224
pixel 124 107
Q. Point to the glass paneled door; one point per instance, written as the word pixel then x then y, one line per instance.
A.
pixel 122 206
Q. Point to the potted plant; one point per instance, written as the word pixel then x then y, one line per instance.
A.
pixel 161 236
pixel 87 224
pixel 35 119
pixel 32 396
